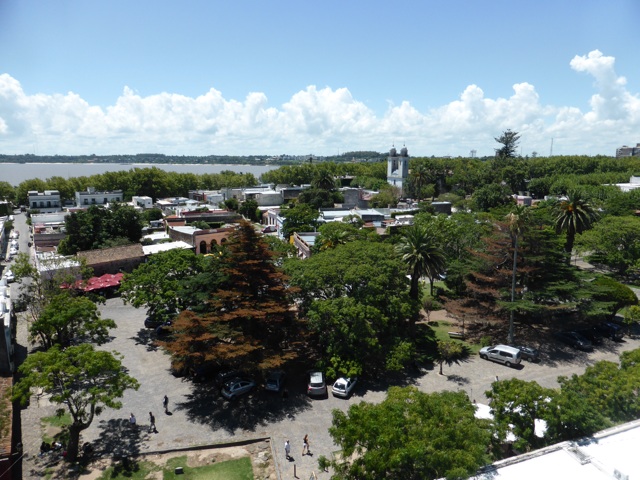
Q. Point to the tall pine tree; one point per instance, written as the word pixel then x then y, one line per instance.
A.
pixel 248 321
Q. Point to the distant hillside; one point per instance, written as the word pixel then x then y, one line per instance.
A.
pixel 156 158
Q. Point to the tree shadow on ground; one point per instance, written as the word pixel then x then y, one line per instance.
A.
pixel 146 336
pixel 257 408
pixel 121 442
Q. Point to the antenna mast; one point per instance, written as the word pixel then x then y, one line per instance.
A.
pixel 551 149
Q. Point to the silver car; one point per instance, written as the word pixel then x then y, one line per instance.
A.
pixel 501 354
pixel 236 387
pixel 343 387
pixel 317 385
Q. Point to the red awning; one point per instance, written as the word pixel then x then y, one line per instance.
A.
pixel 97 283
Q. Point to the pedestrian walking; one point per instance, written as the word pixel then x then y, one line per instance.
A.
pixel 152 423
pixel 305 445
pixel 165 404
pixel 287 450
pixel 132 420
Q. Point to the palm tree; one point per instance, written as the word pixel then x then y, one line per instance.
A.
pixel 516 220
pixel 419 177
pixel 422 254
pixel 575 216
pixel 324 180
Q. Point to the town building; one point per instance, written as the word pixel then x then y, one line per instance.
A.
pixel 625 151
pixel 144 202
pixel 398 168
pixel 93 197
pixel 45 202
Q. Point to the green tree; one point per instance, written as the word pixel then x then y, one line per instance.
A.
pixel 422 255
pixel 80 379
pixel 249 209
pixel 96 227
pixel 613 242
pixel 356 299
pixel 490 196
pixel 333 234
pixel 385 198
pixel 160 284
pixel 610 296
pixel 516 405
pixel 299 218
pixel 324 180
pixel 36 290
pixel 509 141
pixel 7 191
pixel 68 320
pixel 409 436
pixel 450 352
pixel 575 215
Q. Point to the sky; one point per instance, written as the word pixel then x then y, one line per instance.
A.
pixel 256 77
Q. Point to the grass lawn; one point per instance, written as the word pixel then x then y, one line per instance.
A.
pixel 239 469
pixel 55 427
pixel 442 330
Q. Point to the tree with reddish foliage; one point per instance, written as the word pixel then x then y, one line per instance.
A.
pixel 248 321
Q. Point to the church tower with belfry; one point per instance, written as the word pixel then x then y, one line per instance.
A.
pixel 398 168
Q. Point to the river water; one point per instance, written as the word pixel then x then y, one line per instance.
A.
pixel 15 173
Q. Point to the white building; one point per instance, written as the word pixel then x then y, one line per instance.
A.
pixel 143 202
pixel 607 455
pixel 46 202
pixel 634 182
pixel 93 197
pixel 398 167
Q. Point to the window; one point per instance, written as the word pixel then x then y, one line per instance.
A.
pixel 203 247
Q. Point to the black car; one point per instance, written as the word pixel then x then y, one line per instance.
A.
pixel 529 353
pixel 610 330
pixel 592 334
pixel 575 340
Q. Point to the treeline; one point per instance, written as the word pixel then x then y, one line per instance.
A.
pixel 153 182
pixel 154 158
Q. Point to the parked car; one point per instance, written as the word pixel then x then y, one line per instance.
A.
pixel 317 385
pixel 575 340
pixel 275 381
pixel 269 229
pixel 528 353
pixel 13 252
pixel 592 334
pixel 343 387
pixel 610 330
pixel 502 354
pixel 236 387
pixel 163 330
pixel 155 322
pixel 9 276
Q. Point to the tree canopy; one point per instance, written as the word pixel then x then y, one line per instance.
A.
pixel 81 379
pixel 99 227
pixel 410 436
pixel 246 319
pixel 356 299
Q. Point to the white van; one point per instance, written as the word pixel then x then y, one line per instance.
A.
pixel 501 354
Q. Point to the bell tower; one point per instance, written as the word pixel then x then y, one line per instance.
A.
pixel 398 167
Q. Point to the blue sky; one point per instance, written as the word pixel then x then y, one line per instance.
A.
pixel 271 77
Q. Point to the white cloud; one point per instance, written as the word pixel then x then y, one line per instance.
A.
pixel 317 120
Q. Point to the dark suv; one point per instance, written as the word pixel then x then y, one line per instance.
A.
pixel 610 330
pixel 575 340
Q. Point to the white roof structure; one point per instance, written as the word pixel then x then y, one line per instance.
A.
pixel 610 454
pixel 163 247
